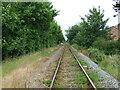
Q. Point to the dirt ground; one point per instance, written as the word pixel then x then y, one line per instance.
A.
pixel 32 75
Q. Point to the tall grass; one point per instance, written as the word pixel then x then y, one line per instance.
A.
pixel 11 64
pixel 109 63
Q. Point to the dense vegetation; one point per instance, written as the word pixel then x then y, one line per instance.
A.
pixel 93 32
pixel 109 63
pixel 92 38
pixel 109 47
pixel 28 27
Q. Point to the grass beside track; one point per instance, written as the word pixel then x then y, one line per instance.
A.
pixel 110 63
pixel 16 72
pixel 11 64
pixel 93 76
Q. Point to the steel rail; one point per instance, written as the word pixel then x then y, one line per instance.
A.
pixel 58 65
pixel 91 82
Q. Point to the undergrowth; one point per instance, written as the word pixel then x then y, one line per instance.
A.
pixel 109 63
pixel 11 64
pixel 47 81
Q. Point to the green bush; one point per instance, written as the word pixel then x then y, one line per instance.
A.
pixel 109 47
pixel 112 48
pixel 78 47
pixel 118 45
pixel 96 53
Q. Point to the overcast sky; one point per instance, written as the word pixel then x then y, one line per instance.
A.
pixel 71 10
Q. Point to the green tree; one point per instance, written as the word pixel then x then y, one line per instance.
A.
pixel 26 27
pixel 71 33
pixel 91 27
pixel 55 35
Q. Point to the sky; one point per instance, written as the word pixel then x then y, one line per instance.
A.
pixel 71 10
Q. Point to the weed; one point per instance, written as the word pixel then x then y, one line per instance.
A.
pixel 56 86
pixel 62 61
pixel 110 64
pixel 58 83
pixel 78 56
pixel 82 79
pixel 54 69
pixel 47 81
pixel 93 76
pixel 77 74
pixel 77 69
pixel 77 46
pixel 82 62
pixel 74 64
pixel 80 86
pixel 70 80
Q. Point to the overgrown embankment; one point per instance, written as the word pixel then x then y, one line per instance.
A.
pixel 109 63
pixel 93 38
pixel 16 72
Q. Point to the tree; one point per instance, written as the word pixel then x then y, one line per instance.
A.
pixel 71 33
pixel 116 7
pixel 27 26
pixel 91 27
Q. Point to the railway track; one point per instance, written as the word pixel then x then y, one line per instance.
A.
pixel 60 69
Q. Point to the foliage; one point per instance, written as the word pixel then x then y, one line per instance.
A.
pixel 71 33
pixel 55 34
pixel 109 47
pixel 47 81
pixel 76 46
pixel 97 54
pixel 111 65
pixel 28 27
pixel 91 27
pixel 116 6
pixel 94 76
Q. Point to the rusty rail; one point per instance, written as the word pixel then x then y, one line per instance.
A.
pixel 90 81
pixel 58 65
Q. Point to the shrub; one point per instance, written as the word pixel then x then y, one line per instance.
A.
pixel 78 47
pixel 96 53
pixel 109 47
pixel 100 43
pixel 118 45
pixel 112 48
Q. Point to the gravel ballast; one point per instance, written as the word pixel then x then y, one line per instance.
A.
pixel 106 80
pixel 43 73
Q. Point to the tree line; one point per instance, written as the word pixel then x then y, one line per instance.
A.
pixel 92 31
pixel 28 27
